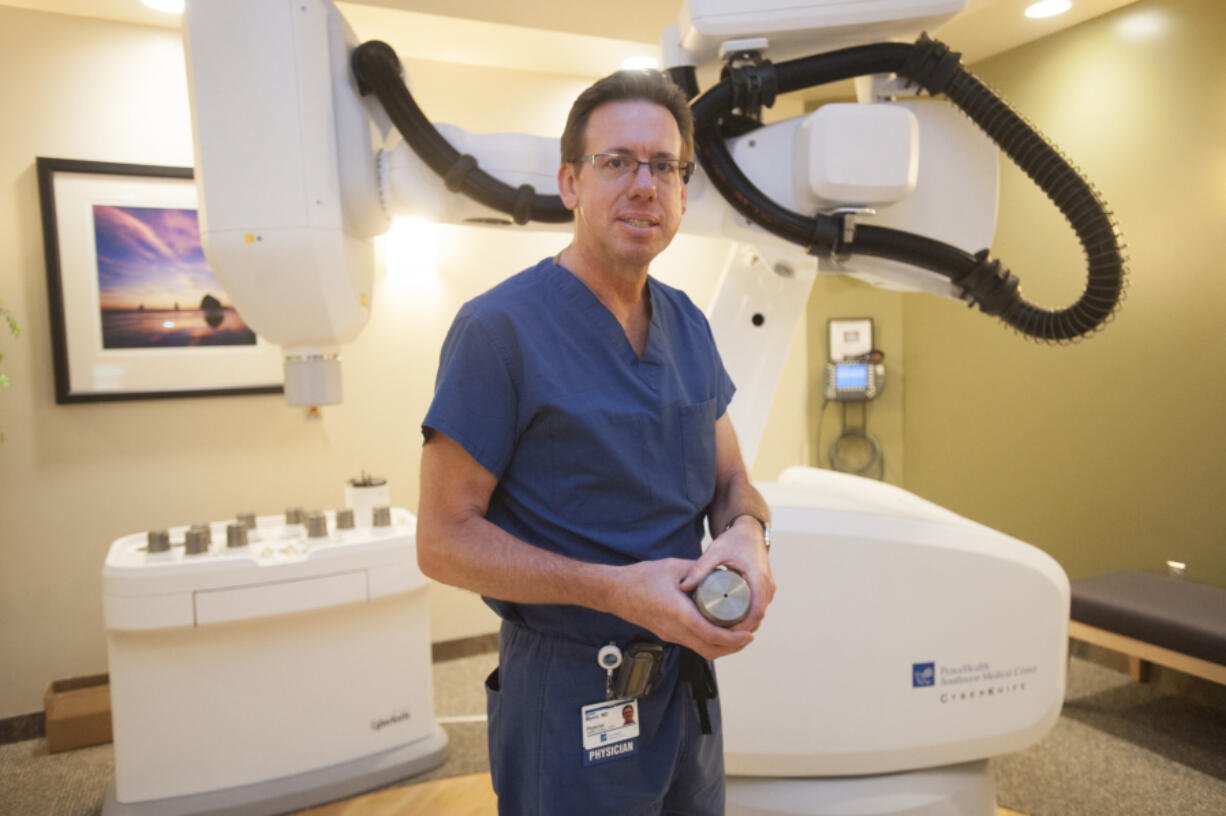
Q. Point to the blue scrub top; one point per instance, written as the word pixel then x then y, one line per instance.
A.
pixel 599 455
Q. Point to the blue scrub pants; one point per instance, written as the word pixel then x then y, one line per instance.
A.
pixel 536 747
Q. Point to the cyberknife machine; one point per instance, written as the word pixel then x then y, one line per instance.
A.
pixel 887 606
pixel 270 677
pixel 906 645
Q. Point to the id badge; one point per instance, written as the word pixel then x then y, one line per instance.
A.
pixel 610 730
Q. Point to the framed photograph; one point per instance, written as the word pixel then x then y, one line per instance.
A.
pixel 136 313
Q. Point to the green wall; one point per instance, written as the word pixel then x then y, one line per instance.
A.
pixel 1108 454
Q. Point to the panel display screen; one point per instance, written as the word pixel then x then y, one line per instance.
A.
pixel 851 376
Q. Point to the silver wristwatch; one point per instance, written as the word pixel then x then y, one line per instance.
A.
pixel 766 527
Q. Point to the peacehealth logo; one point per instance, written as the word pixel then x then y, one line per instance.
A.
pixel 973 680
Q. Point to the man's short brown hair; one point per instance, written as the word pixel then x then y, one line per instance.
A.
pixel 624 86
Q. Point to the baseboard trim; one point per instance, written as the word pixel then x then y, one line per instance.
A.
pixel 23 727
pixel 464 647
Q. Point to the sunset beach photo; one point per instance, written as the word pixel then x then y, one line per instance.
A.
pixel 155 288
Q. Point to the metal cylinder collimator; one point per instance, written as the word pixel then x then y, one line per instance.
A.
pixel 723 598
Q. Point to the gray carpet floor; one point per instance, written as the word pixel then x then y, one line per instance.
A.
pixel 1119 749
pixel 1124 749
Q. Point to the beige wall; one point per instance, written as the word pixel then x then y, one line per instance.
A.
pixel 74 478
pixel 1108 454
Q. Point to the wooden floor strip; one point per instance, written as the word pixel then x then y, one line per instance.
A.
pixel 469 795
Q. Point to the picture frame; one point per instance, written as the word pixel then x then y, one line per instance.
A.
pixel 135 311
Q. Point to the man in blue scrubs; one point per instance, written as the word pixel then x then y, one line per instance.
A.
pixel 577 442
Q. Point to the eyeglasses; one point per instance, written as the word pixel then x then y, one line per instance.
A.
pixel 614 166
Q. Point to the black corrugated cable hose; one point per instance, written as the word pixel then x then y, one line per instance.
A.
pixel 983 281
pixel 930 64
pixel 377 70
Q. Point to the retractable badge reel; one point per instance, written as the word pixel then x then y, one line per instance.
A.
pixel 609 657
pixel 635 675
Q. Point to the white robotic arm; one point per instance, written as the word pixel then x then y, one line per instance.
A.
pixel 297 175
pixel 285 169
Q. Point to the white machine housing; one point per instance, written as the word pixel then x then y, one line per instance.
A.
pixel 271 675
pixel 905 646
pixel 708 30
pixel 942 183
pixel 862 155
pixel 892 650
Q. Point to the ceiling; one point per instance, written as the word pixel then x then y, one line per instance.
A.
pixel 581 37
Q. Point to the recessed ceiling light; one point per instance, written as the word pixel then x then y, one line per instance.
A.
pixel 640 63
pixel 1143 24
pixel 168 6
pixel 1048 8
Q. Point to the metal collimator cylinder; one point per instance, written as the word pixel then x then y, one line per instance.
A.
pixel 344 519
pixel 294 515
pixel 382 516
pixel 159 541
pixel 206 530
pixel 317 525
pixel 196 541
pixel 723 598
pixel 236 534
pixel 247 520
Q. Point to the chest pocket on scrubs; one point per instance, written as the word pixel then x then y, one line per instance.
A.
pixel 697 426
pixel 599 467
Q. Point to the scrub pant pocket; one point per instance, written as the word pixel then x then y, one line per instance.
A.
pixel 493 703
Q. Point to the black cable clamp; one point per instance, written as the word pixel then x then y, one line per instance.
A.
pixel 754 85
pixel 988 285
pixel 833 236
pixel 931 65
pixel 366 57
pixel 458 173
pixel 521 212
pixel 834 233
